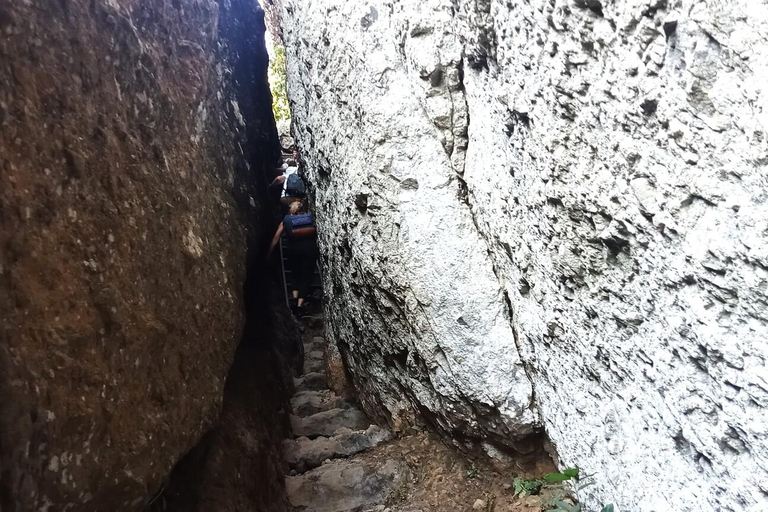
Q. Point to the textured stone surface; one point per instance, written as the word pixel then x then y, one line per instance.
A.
pixel 346 485
pixel 412 338
pixel 313 381
pixel 326 423
pixel 303 454
pixel 126 207
pixel 306 403
pixel 550 214
pixel 238 464
pixel 313 361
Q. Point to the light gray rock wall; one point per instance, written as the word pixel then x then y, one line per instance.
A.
pixel 551 214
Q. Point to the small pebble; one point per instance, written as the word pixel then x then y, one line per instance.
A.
pixel 479 504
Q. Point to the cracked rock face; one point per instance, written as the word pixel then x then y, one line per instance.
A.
pixel 414 298
pixel 550 214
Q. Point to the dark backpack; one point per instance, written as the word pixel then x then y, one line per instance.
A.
pixel 294 186
pixel 299 225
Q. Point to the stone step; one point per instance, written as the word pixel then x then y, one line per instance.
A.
pixel 316 341
pixel 313 347
pixel 326 423
pixel 344 485
pixel 307 403
pixel 312 381
pixel 318 355
pixel 314 361
pixel 313 366
pixel 304 454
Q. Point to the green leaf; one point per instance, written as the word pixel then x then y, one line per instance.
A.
pixel 564 506
pixel 586 484
pixel 525 487
pixel 554 478
pixel 277 83
pixel 607 508
pixel 571 472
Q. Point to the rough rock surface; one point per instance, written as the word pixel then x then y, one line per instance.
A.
pixel 237 466
pixel 407 474
pixel 306 403
pixel 130 139
pixel 325 437
pixel 346 485
pixel 303 454
pixel 327 422
pixel 550 214
pixel 313 381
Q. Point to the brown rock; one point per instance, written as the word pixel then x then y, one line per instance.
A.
pixel 124 221
pixel 338 379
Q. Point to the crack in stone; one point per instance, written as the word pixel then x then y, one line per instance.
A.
pixel 464 197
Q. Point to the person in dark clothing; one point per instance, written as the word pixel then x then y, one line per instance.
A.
pixel 299 228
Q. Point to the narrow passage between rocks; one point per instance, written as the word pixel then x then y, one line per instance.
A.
pixel 339 461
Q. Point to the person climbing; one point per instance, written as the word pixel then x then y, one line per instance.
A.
pixel 299 228
pixel 294 189
pixel 277 183
pixel 292 184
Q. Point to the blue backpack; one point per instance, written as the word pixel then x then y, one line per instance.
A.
pixel 297 222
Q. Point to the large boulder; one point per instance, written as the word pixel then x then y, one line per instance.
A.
pixel 131 135
pixel 550 215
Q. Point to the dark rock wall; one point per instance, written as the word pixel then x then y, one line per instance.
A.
pixel 238 465
pixel 132 136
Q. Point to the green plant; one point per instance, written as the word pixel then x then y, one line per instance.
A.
pixel 527 487
pixel 277 84
pixel 579 484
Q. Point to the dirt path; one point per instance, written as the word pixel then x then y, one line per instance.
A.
pixel 340 462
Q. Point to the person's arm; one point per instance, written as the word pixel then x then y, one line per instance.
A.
pixel 275 239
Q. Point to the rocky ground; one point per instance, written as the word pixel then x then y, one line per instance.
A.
pixel 339 461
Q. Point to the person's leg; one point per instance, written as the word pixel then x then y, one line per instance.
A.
pixel 307 271
pixel 291 265
pixel 299 274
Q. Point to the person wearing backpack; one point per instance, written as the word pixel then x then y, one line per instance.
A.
pixel 294 189
pixel 291 184
pixel 299 228
pixel 277 185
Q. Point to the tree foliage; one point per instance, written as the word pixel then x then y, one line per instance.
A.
pixel 277 83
